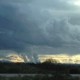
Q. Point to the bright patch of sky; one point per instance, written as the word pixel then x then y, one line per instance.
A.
pixel 62 58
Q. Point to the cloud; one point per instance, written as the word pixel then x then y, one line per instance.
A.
pixel 25 25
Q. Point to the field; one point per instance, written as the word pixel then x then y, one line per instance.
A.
pixel 38 77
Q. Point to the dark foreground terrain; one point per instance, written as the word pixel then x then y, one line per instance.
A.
pixel 43 71
pixel 38 68
pixel 41 77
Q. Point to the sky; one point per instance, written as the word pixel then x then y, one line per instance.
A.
pixel 34 30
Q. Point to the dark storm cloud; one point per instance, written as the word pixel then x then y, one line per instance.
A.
pixel 24 25
pixel 8 26
pixel 75 20
pixel 17 29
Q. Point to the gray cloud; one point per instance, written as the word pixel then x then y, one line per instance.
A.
pixel 25 25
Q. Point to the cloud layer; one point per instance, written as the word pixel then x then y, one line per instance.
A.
pixel 38 23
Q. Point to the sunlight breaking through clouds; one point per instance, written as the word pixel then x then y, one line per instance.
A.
pixel 62 58
pixel 14 58
pixel 75 2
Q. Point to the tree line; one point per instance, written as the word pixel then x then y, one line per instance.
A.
pixel 49 66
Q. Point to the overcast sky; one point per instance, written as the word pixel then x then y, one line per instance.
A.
pixel 40 27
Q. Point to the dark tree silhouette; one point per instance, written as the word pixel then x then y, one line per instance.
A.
pixel 51 61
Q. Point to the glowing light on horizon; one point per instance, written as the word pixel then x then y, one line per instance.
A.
pixel 14 58
pixel 62 58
